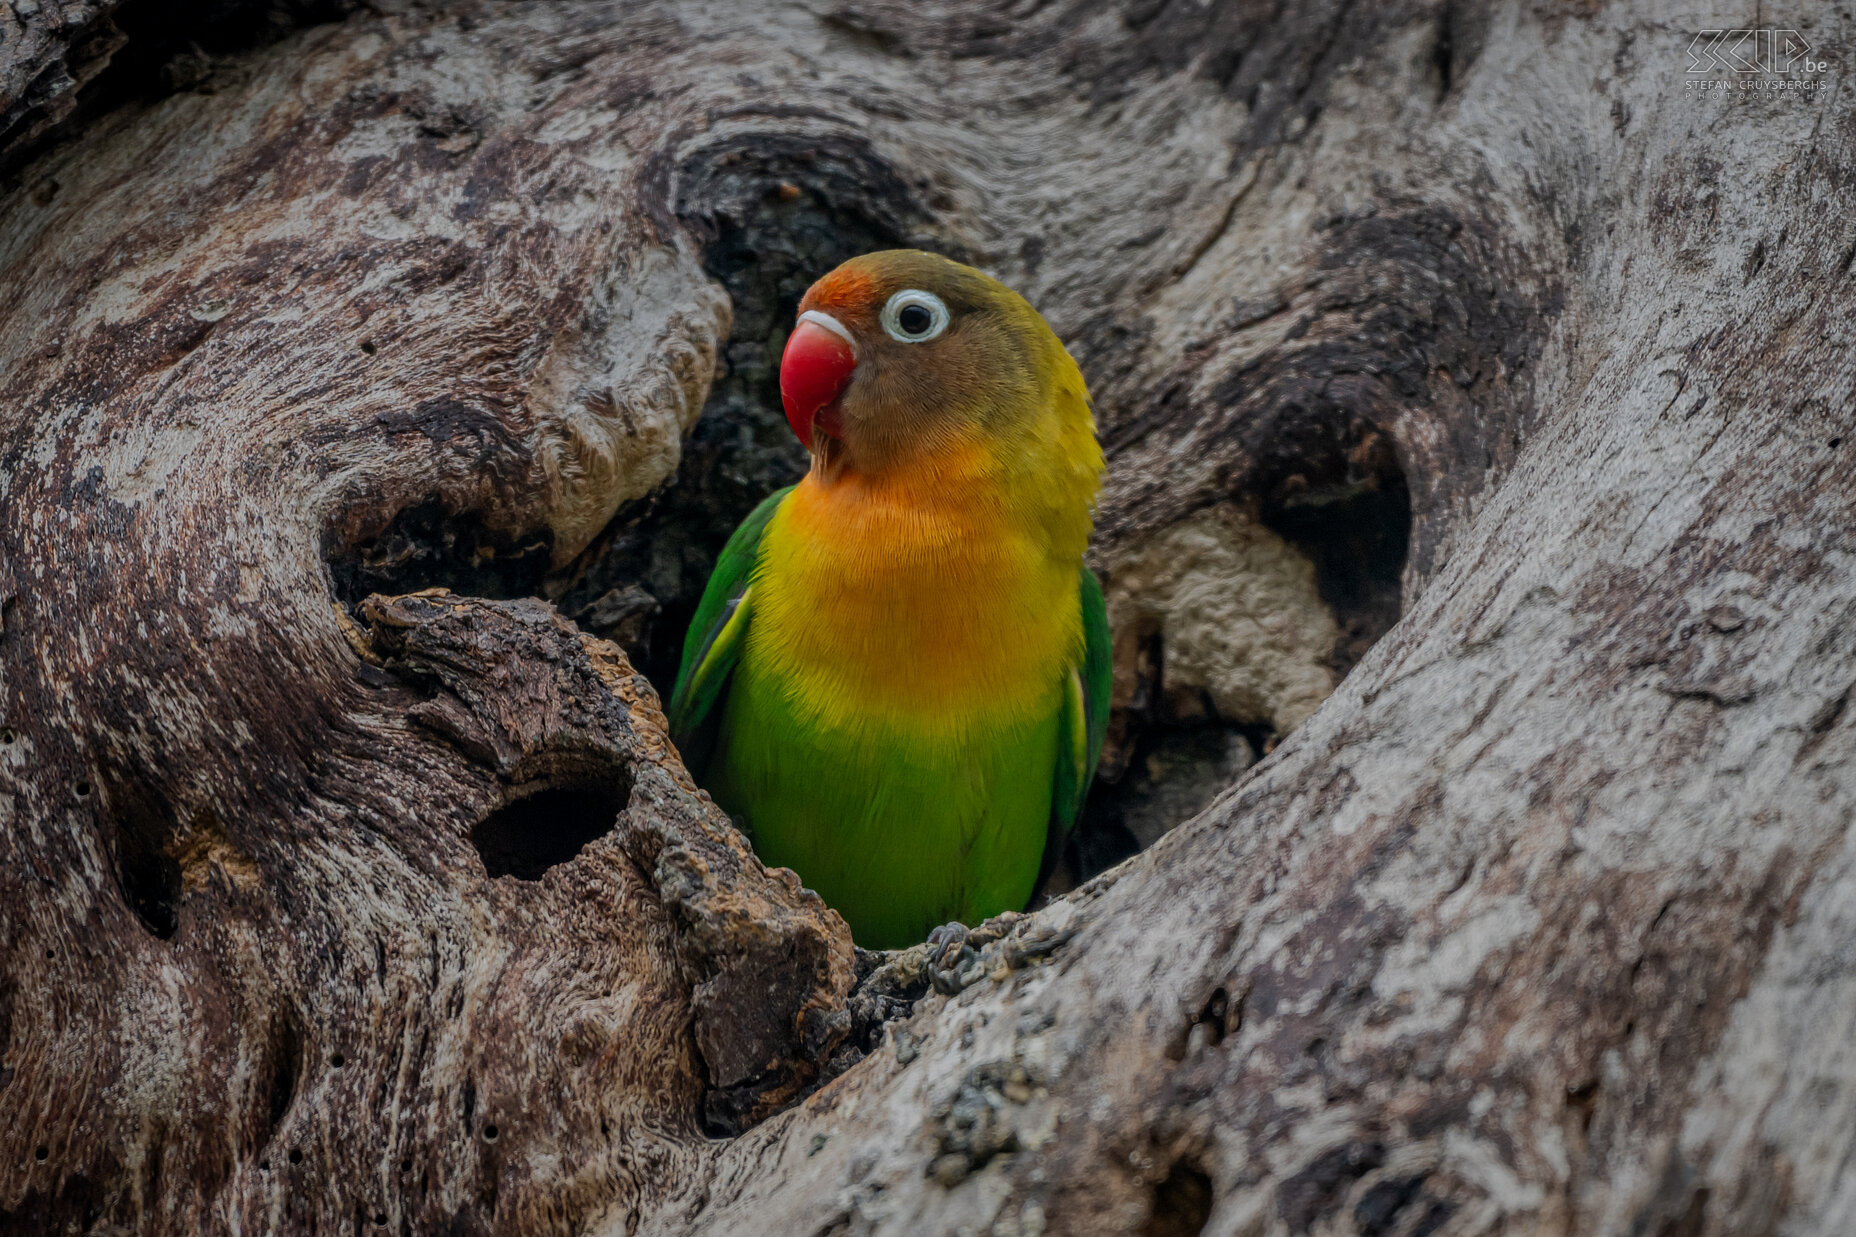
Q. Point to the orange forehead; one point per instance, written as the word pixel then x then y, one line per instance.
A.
pixel 848 288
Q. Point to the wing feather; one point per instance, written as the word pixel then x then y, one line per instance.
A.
pixel 713 644
pixel 1083 723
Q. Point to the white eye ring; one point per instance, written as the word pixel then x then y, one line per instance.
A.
pixel 914 298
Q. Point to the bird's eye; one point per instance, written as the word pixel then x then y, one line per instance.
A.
pixel 914 317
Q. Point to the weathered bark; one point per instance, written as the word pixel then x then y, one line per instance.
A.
pixel 329 912
pixel 47 52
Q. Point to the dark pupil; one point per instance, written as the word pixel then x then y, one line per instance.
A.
pixel 915 320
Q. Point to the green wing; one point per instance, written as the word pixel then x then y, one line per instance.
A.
pixel 1084 722
pixel 713 644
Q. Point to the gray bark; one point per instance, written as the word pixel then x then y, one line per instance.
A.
pixel 1461 351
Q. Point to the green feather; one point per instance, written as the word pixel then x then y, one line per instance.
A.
pixel 896 834
pixel 713 644
pixel 830 808
pixel 1083 723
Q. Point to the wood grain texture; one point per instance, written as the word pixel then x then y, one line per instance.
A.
pixel 49 49
pixel 1541 923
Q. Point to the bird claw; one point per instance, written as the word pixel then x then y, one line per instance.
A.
pixel 939 940
pixel 953 964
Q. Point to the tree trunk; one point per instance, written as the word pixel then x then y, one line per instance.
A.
pixel 1477 399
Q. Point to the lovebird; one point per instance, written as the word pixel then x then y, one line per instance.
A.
pixel 898 676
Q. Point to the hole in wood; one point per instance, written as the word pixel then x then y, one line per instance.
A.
pixel 427 546
pixel 1233 624
pixel 1182 1203
pixel 1211 1019
pixel 1328 493
pixel 149 876
pixel 538 829
pixel 284 1061
pixel 1347 506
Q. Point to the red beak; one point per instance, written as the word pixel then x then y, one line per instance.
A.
pixel 814 371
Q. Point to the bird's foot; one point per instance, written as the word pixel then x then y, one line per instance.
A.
pixel 953 964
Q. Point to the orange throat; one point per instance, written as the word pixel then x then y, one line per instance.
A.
pixel 923 597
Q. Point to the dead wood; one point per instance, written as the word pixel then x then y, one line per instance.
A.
pixel 1463 374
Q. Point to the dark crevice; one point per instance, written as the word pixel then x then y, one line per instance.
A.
pixel 1166 758
pixel 428 546
pixel 1330 483
pixel 1443 50
pixel 76 1206
pixel 42 111
pixel 284 1062
pixel 1582 1103
pixel 1693 1219
pixel 1205 1029
pixel 1342 499
pixel 151 882
pixel 144 51
pixel 1212 1017
pixel 1461 33
pixel 1173 770
pixel 538 829
pixel 146 869
pixel 1381 1205
pixel 883 993
pixel 1320 1188
pixel 1182 1203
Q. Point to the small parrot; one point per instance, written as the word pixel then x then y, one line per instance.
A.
pixel 898 676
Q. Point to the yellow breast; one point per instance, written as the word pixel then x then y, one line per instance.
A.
pixel 927 603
